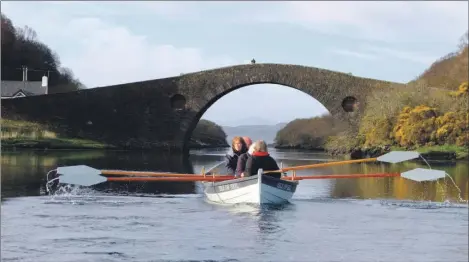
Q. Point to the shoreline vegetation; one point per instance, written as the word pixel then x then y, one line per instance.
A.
pixel 429 115
pixel 23 135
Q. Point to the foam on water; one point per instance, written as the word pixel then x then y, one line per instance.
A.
pixel 460 199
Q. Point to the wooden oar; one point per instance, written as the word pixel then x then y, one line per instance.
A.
pixel 294 168
pixel 88 176
pixel 155 174
pixel 168 179
pixel 341 176
pixel 417 174
pixel 391 157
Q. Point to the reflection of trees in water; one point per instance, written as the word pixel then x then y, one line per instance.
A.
pixel 24 172
pixel 392 187
pixel 400 188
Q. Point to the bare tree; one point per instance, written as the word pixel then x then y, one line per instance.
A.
pixel 27 33
pixel 463 41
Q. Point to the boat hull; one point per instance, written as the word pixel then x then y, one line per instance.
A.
pixel 258 189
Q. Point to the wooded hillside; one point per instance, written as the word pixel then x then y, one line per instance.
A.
pixel 429 112
pixel 208 134
pixel 306 133
pixel 21 47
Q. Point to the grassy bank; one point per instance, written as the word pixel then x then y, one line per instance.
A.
pixel 53 143
pixel 24 134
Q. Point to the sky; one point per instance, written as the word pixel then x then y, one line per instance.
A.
pixel 107 43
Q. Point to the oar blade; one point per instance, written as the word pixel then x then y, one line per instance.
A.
pixel 398 156
pixel 423 174
pixel 80 175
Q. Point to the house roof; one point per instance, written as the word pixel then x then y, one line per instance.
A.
pixel 10 88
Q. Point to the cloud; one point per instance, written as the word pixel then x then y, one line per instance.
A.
pixel 353 54
pixel 403 55
pixel 164 9
pixel 382 21
pixel 376 52
pixel 106 53
pixel 112 54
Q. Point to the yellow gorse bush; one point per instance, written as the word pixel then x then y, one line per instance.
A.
pixel 462 90
pixel 425 126
pixel 415 127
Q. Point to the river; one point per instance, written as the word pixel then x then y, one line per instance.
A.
pixel 365 219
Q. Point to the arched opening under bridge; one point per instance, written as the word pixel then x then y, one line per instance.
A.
pixel 259 111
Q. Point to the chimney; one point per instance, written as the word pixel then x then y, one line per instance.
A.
pixel 45 83
pixel 25 73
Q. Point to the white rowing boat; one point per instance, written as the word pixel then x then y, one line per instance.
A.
pixel 258 189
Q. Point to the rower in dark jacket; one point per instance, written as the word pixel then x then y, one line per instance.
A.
pixel 239 147
pixel 260 158
pixel 244 157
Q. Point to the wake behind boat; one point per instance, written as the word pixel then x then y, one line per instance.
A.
pixel 258 189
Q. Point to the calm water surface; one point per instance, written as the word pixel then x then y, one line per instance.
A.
pixel 367 219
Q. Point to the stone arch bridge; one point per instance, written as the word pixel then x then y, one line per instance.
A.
pixel 162 113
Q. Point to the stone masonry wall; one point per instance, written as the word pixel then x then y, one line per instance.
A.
pixel 162 113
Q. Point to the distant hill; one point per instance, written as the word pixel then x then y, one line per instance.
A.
pixel 247 121
pixel 255 132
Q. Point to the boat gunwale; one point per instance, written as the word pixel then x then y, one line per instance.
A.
pixel 230 181
pixel 206 184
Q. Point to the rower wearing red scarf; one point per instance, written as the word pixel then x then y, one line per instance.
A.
pixel 260 158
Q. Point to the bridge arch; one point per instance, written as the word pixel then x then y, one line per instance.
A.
pixel 339 93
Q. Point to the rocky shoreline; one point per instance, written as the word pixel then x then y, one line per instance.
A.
pixel 375 152
pixel 70 144
pixel 312 149
pixel 361 153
